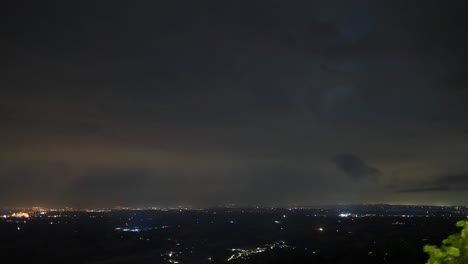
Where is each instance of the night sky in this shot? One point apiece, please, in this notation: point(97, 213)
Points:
point(204, 103)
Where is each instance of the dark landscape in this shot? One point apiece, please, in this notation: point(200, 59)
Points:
point(333, 234)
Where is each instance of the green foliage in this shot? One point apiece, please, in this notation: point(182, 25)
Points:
point(454, 249)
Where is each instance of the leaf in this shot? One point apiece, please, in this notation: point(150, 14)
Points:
point(454, 249)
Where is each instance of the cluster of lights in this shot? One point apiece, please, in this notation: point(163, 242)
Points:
point(20, 215)
point(135, 230)
point(244, 253)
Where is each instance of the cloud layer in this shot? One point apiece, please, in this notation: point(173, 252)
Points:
point(249, 102)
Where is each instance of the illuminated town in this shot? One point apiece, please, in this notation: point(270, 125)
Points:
point(245, 253)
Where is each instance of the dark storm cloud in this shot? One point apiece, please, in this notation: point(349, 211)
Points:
point(425, 189)
point(355, 167)
point(453, 182)
point(229, 64)
point(236, 99)
point(460, 189)
point(456, 180)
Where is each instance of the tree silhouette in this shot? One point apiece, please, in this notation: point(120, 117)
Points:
point(454, 249)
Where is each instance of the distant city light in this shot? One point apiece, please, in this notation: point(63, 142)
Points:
point(245, 253)
point(20, 215)
point(131, 230)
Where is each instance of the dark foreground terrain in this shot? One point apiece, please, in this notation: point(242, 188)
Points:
point(352, 234)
